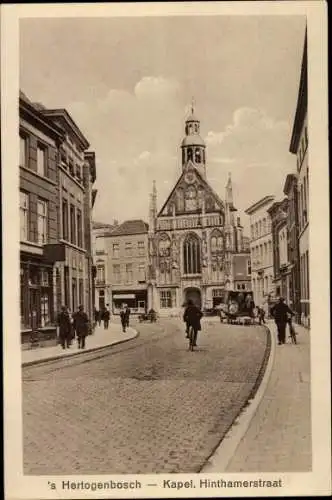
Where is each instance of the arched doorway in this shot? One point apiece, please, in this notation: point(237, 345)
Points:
point(193, 294)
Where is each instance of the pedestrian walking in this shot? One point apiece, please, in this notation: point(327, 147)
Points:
point(64, 328)
point(123, 317)
point(280, 312)
point(81, 324)
point(261, 315)
point(192, 318)
point(106, 318)
point(127, 316)
point(96, 316)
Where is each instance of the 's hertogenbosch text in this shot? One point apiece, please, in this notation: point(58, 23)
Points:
point(171, 484)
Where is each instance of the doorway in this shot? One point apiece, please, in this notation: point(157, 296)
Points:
point(193, 294)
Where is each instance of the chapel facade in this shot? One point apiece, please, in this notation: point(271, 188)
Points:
point(194, 237)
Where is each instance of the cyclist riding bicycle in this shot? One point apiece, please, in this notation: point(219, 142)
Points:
point(192, 318)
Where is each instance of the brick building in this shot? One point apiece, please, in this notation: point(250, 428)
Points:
point(76, 174)
point(39, 139)
point(56, 200)
point(299, 147)
point(121, 261)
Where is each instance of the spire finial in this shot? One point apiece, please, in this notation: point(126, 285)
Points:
point(192, 105)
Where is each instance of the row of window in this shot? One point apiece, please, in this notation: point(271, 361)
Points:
point(261, 255)
point(303, 199)
point(42, 156)
point(130, 249)
point(260, 228)
point(72, 224)
point(25, 220)
point(68, 162)
point(122, 274)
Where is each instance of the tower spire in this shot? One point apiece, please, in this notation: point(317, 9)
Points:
point(192, 105)
point(153, 208)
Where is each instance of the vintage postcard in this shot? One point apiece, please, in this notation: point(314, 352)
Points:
point(165, 228)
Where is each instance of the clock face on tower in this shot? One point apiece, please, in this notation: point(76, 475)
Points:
point(189, 177)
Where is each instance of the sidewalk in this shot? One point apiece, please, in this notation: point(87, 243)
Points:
point(99, 339)
point(278, 438)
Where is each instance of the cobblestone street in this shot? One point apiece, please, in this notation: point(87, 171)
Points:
point(150, 406)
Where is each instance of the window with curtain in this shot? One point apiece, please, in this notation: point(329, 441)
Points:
point(72, 225)
point(192, 255)
point(41, 160)
point(24, 216)
point(41, 222)
point(23, 151)
point(79, 228)
point(65, 226)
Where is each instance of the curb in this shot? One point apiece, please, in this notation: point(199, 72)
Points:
point(77, 353)
point(221, 457)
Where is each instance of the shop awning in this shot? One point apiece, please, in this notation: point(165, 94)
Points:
point(124, 296)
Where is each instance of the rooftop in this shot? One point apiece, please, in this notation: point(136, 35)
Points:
point(129, 227)
point(259, 204)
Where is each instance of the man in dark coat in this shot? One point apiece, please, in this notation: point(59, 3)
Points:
point(127, 316)
point(280, 312)
point(64, 328)
point(81, 325)
point(106, 318)
point(192, 318)
point(123, 317)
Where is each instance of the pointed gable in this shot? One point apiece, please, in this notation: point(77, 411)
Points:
point(188, 193)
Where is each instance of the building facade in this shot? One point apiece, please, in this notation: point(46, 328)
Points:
point(262, 273)
point(291, 191)
point(56, 200)
point(194, 237)
point(281, 264)
point(40, 140)
point(75, 176)
point(121, 261)
point(299, 147)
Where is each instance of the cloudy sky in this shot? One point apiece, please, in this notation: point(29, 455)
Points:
point(128, 82)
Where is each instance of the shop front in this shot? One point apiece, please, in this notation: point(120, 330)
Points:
point(136, 301)
point(36, 298)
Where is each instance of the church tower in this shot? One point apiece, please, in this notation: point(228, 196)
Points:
point(193, 146)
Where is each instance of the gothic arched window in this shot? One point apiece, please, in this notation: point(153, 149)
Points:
point(197, 155)
point(192, 255)
point(217, 242)
point(191, 198)
point(190, 154)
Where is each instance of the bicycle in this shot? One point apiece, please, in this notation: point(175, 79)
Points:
point(292, 332)
point(191, 335)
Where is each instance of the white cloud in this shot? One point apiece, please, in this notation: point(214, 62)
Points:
point(254, 148)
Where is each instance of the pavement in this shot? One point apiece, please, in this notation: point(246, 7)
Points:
point(274, 434)
point(100, 339)
point(147, 406)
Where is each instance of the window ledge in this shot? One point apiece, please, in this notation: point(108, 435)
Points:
point(72, 245)
point(47, 179)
